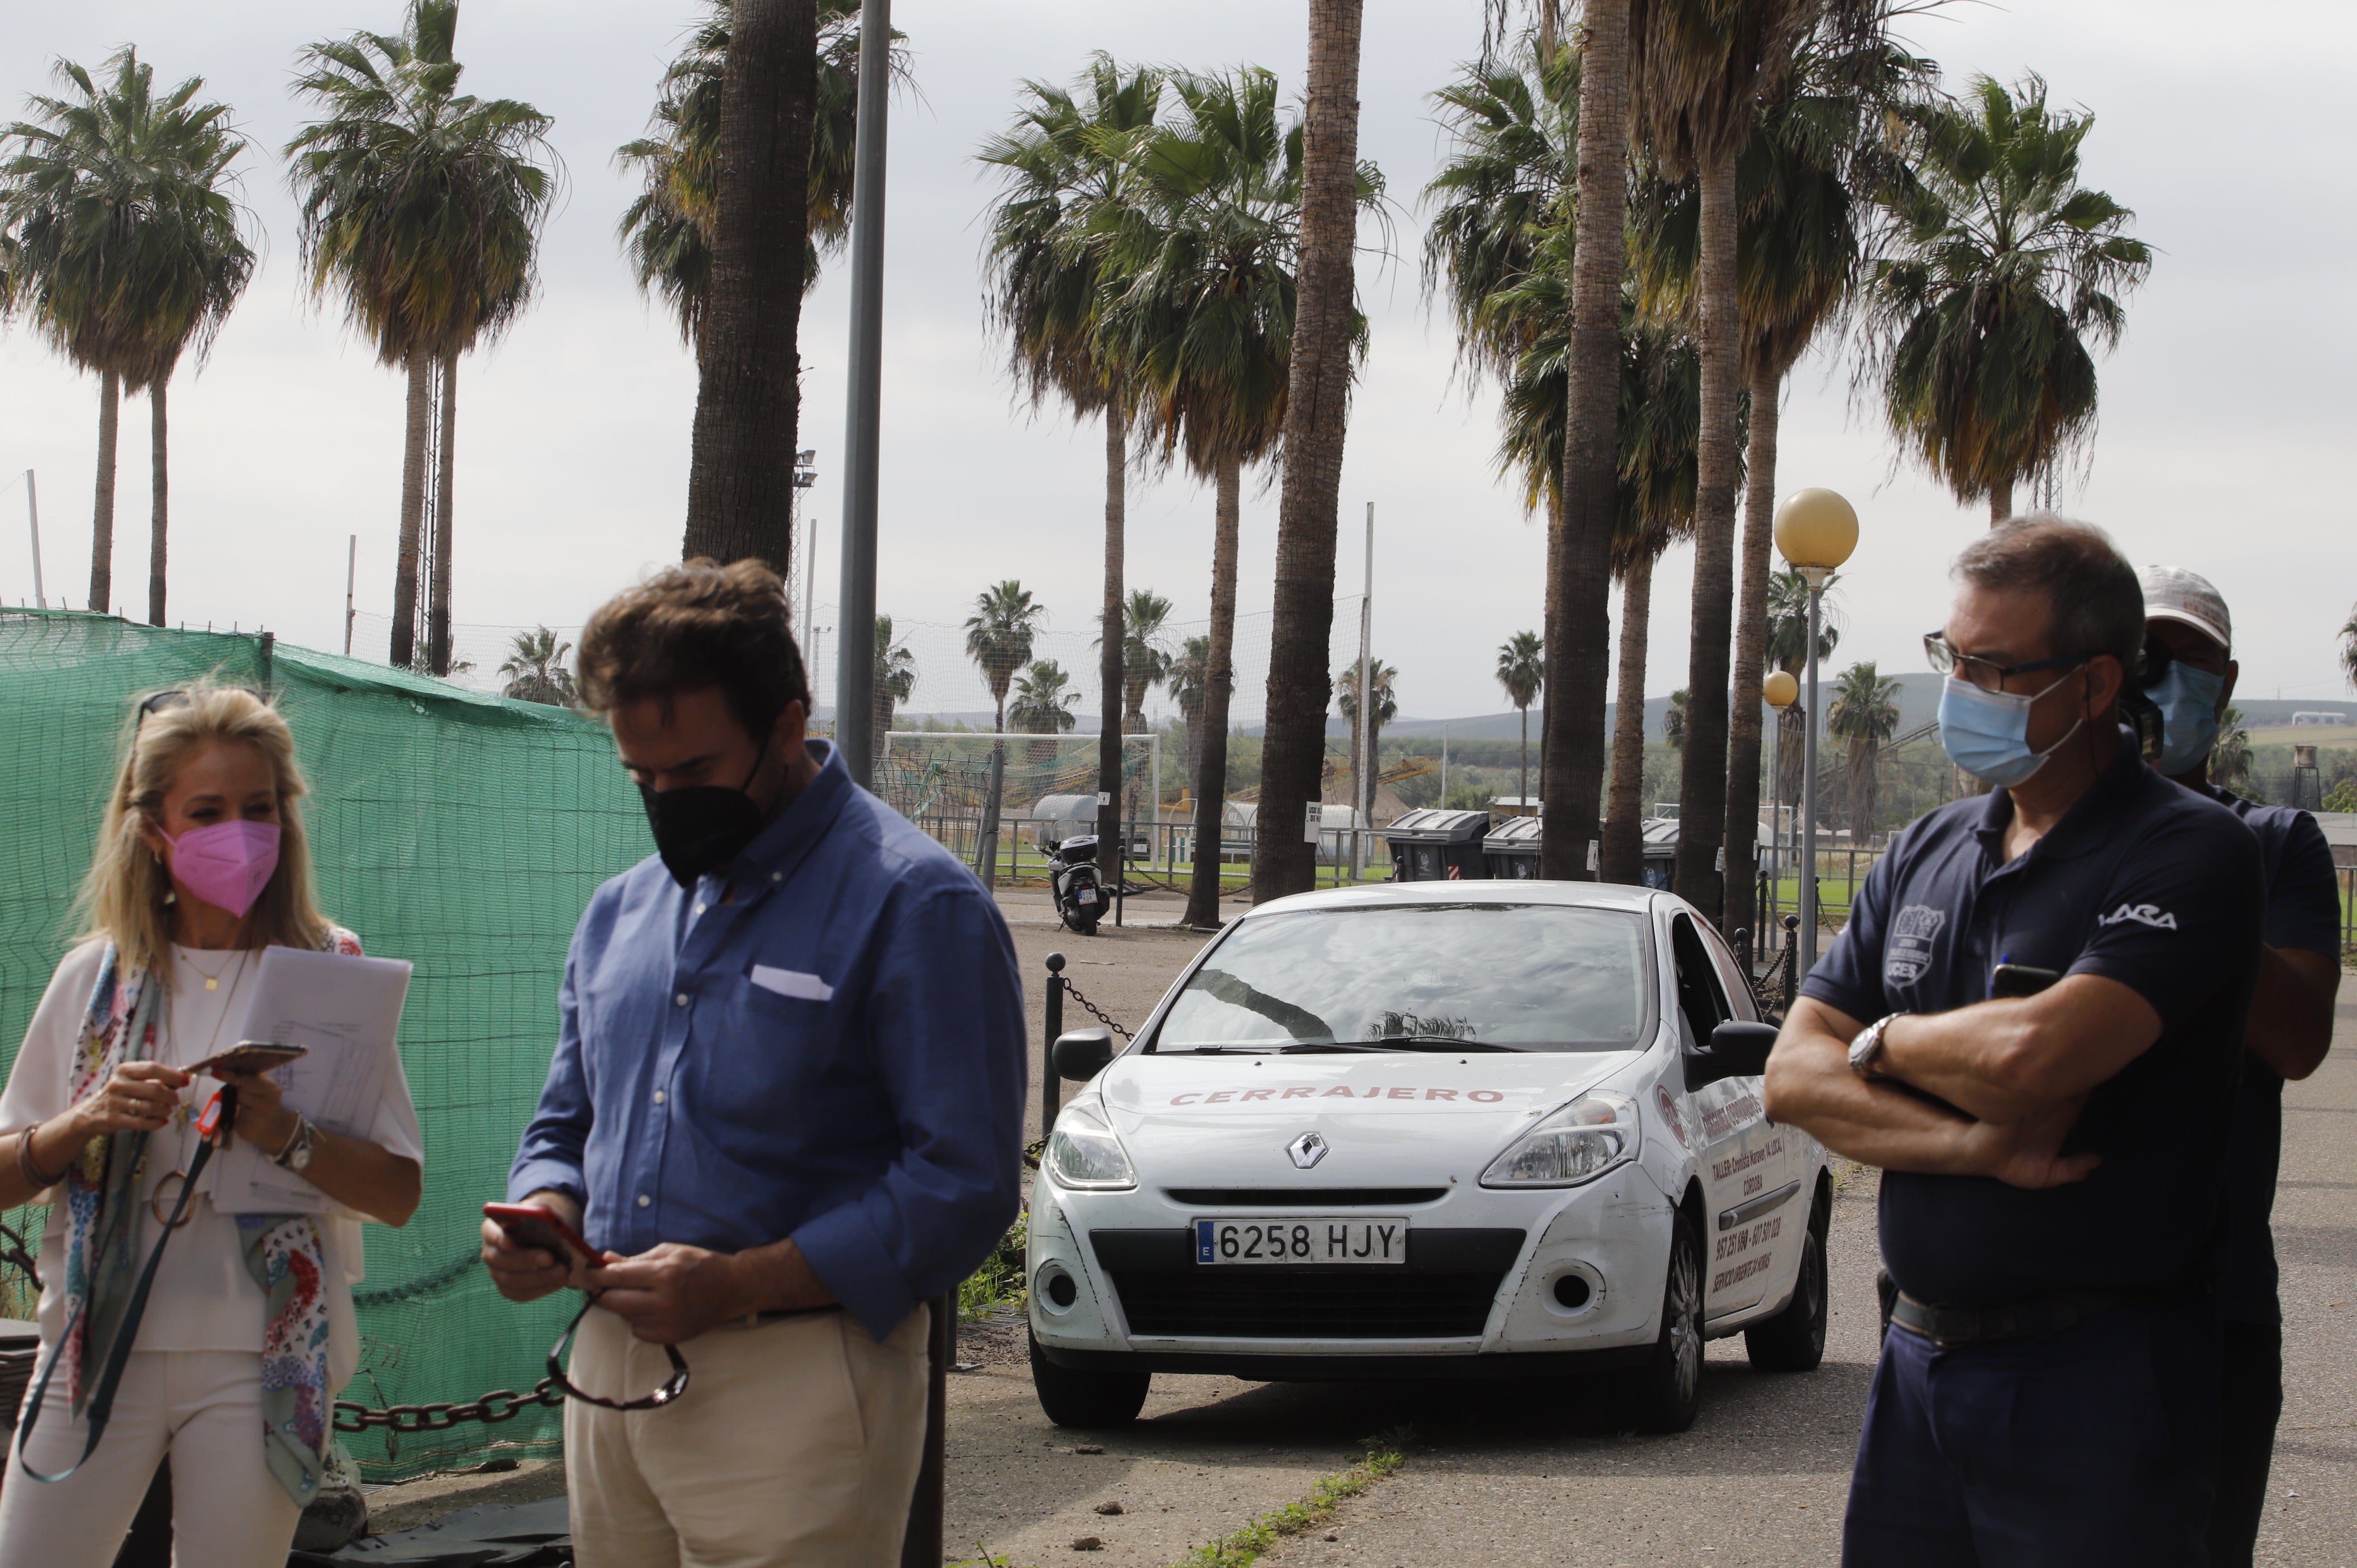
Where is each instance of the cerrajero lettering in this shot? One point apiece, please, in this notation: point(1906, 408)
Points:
point(1420, 1093)
point(1772, 1149)
point(1735, 1113)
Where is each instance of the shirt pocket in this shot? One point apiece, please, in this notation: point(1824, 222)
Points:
point(765, 1063)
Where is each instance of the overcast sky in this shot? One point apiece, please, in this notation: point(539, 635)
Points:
point(2221, 413)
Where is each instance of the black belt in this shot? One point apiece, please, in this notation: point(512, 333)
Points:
point(1949, 1327)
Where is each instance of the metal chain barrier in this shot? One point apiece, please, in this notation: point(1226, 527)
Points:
point(1096, 1012)
point(14, 1251)
point(500, 1404)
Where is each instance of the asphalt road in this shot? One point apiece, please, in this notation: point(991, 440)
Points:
point(1530, 1474)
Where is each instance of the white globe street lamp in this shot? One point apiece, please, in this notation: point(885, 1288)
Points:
point(1815, 532)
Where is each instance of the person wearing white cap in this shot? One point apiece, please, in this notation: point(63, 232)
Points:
point(2188, 672)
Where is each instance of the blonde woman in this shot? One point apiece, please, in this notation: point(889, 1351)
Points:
point(201, 863)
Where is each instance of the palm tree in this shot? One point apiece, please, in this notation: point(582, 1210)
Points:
point(998, 636)
point(1865, 712)
point(1673, 722)
point(1203, 315)
point(422, 211)
point(1042, 705)
point(1522, 669)
point(535, 670)
point(1325, 351)
point(748, 390)
point(1066, 174)
point(2230, 754)
point(667, 230)
point(126, 249)
point(896, 679)
point(1787, 648)
point(2349, 647)
point(1190, 678)
point(1380, 677)
point(1144, 662)
point(1999, 271)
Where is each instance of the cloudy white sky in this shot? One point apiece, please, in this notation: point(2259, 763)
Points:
point(2224, 414)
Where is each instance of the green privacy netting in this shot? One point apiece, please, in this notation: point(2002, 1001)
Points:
point(459, 831)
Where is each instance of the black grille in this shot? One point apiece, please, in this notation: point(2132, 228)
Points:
point(1310, 1197)
point(1443, 1291)
point(1284, 1304)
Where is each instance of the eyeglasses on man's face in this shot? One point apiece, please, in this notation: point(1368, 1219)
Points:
point(1986, 674)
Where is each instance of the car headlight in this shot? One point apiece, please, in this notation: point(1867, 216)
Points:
point(1084, 1153)
point(1571, 1145)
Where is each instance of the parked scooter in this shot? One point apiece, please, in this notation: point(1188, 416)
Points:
point(1078, 884)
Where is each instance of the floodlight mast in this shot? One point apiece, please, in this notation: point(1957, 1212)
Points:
point(855, 638)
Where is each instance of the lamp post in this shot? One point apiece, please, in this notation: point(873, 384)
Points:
point(1816, 532)
point(1779, 690)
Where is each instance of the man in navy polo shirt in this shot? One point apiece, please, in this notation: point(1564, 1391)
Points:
point(2190, 672)
point(2032, 1024)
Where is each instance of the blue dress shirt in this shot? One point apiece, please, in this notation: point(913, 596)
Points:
point(836, 1055)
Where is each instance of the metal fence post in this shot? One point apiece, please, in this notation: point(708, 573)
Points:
point(1049, 1098)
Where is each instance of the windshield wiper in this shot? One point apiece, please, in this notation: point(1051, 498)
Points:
point(1435, 1043)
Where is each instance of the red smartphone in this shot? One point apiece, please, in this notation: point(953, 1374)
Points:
point(535, 1226)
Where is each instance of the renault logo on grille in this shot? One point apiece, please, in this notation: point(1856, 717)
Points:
point(1306, 1150)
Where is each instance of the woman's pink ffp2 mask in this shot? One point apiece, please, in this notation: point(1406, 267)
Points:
point(227, 864)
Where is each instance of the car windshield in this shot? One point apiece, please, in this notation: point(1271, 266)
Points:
point(1527, 977)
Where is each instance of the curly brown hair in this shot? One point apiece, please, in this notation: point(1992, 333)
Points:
point(692, 625)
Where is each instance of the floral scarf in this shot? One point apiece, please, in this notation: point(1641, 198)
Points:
point(282, 1251)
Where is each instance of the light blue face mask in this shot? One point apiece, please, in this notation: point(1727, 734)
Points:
point(2187, 701)
point(1986, 733)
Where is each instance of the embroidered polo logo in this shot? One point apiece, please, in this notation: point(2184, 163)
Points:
point(2152, 915)
point(1908, 951)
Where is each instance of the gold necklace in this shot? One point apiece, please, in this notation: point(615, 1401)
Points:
point(183, 1111)
point(213, 981)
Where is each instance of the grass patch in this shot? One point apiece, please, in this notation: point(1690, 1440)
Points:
point(1244, 1546)
point(998, 1283)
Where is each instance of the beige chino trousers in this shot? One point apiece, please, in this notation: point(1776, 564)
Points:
point(796, 1444)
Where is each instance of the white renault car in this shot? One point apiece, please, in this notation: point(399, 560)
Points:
point(1434, 1128)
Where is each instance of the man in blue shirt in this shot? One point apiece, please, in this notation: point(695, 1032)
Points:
point(785, 1107)
point(2190, 672)
point(2033, 1023)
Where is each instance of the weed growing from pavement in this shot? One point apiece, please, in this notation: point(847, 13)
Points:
point(1243, 1548)
point(998, 1286)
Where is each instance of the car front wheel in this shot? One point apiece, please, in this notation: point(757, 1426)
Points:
point(1665, 1393)
point(1087, 1397)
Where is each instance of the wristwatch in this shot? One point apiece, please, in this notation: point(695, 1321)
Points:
point(1867, 1049)
point(297, 1155)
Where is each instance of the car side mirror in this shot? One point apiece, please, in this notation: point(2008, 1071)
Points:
point(1737, 1048)
point(1082, 1053)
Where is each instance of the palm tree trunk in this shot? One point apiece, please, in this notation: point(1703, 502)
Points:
point(1526, 770)
point(748, 397)
point(403, 653)
point(159, 485)
point(1623, 856)
point(2000, 503)
point(1579, 538)
point(1293, 755)
point(1211, 757)
point(1111, 712)
point(438, 611)
point(1742, 838)
point(101, 515)
point(1702, 782)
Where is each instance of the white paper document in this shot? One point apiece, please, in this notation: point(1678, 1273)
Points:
point(346, 1013)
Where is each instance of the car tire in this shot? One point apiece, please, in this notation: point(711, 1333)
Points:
point(1665, 1393)
point(1795, 1339)
point(1085, 1397)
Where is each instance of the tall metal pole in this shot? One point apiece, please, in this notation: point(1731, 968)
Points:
point(33, 513)
point(1365, 765)
point(1808, 856)
point(855, 636)
point(351, 579)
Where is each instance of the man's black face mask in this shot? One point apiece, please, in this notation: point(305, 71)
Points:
point(702, 828)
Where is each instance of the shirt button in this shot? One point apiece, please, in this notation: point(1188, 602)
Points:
point(680, 1000)
point(777, 877)
point(644, 1200)
point(659, 1096)
point(699, 908)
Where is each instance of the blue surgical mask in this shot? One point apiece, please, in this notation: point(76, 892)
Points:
point(1986, 733)
point(2187, 701)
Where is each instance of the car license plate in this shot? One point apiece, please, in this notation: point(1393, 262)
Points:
point(1361, 1238)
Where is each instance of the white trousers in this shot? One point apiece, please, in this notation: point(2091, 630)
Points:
point(204, 1408)
point(796, 1445)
